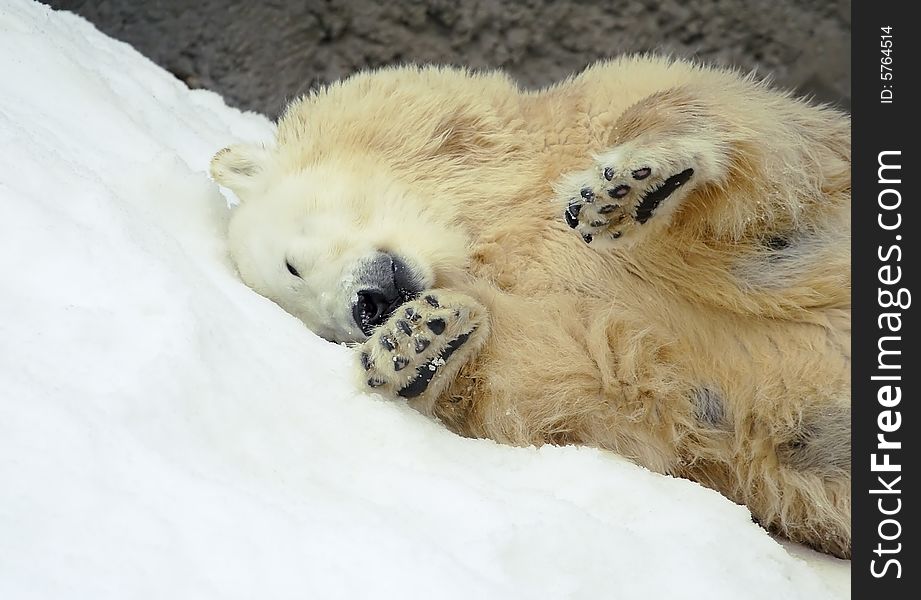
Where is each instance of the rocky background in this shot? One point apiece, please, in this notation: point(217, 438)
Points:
point(259, 54)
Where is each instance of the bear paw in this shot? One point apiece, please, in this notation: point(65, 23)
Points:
point(626, 190)
point(421, 347)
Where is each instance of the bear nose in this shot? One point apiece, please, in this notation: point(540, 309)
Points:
point(386, 283)
point(371, 309)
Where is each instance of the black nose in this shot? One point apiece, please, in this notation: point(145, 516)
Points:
point(386, 283)
point(372, 309)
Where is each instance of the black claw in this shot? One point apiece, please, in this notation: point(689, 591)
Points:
point(404, 327)
point(619, 192)
point(365, 360)
point(608, 208)
point(411, 314)
point(387, 343)
point(641, 173)
point(399, 363)
point(375, 382)
point(608, 173)
point(433, 301)
point(422, 344)
point(588, 194)
point(587, 238)
point(437, 326)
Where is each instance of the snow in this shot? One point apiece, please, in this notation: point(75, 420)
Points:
point(167, 433)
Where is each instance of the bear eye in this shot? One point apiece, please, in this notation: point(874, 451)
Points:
point(291, 269)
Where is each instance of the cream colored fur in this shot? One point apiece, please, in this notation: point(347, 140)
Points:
point(711, 342)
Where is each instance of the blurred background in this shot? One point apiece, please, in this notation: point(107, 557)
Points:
point(260, 54)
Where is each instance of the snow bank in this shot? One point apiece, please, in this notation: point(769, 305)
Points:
point(167, 433)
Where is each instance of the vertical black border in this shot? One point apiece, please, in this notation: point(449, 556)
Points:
point(879, 127)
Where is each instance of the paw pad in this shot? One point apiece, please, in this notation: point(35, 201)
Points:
point(412, 347)
point(572, 213)
point(619, 192)
point(437, 326)
point(639, 191)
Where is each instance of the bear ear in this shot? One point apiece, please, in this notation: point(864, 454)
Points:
point(242, 168)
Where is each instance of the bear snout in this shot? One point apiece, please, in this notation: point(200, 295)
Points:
point(384, 283)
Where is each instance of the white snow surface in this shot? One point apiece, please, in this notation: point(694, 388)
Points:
point(167, 433)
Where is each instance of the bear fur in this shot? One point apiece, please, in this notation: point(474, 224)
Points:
point(652, 257)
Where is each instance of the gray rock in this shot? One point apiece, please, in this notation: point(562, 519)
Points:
point(261, 54)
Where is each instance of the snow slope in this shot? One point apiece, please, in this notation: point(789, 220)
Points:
point(167, 433)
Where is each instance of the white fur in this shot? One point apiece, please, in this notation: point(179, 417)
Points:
point(325, 224)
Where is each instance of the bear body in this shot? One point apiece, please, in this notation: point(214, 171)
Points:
point(651, 257)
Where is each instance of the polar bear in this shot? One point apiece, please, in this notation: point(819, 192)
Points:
point(651, 257)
